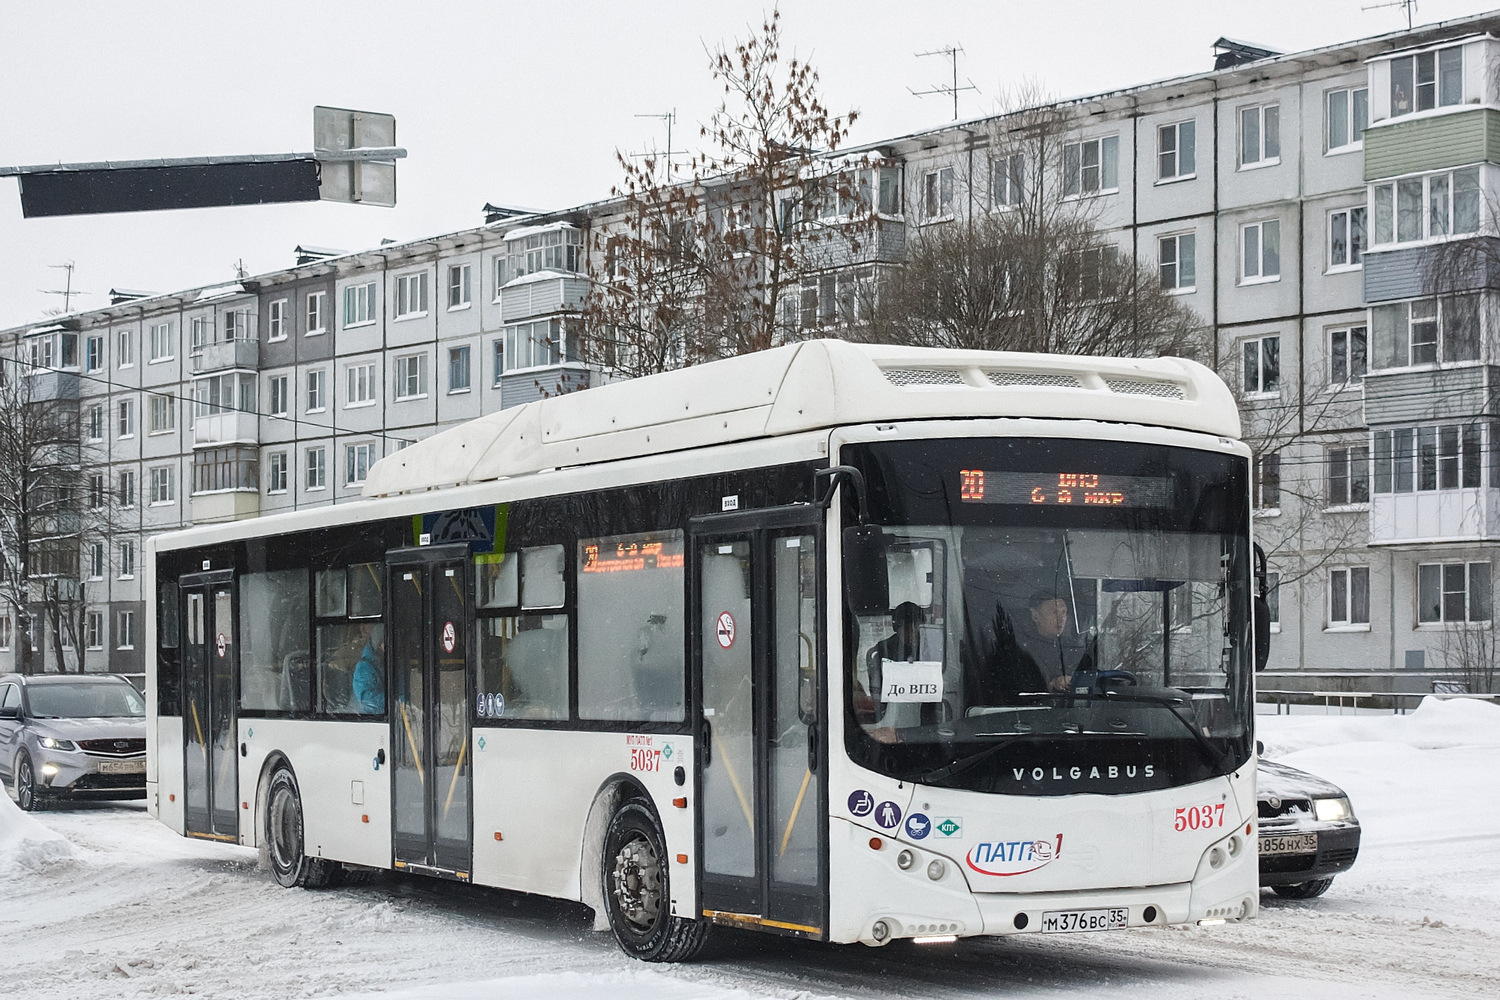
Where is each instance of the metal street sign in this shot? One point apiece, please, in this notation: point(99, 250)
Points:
point(365, 178)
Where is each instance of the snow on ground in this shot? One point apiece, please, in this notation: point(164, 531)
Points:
point(132, 911)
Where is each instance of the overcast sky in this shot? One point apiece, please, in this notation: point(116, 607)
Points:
point(516, 103)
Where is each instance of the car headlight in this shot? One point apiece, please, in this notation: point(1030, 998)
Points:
point(52, 743)
point(1332, 810)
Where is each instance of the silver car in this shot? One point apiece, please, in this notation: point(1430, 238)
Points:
point(71, 736)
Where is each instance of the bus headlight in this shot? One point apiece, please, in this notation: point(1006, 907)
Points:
point(936, 870)
point(1333, 810)
point(905, 860)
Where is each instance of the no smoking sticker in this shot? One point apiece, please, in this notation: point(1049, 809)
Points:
point(724, 630)
point(450, 637)
point(222, 643)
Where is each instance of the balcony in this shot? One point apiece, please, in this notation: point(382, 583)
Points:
point(1462, 515)
point(50, 385)
point(881, 241)
point(230, 427)
point(225, 354)
point(1431, 142)
point(542, 293)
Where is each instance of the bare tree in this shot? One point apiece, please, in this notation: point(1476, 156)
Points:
point(1472, 654)
point(702, 266)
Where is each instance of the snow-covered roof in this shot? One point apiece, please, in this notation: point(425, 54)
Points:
point(801, 387)
point(522, 232)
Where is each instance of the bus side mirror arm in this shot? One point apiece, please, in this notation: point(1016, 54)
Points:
point(836, 475)
point(1262, 611)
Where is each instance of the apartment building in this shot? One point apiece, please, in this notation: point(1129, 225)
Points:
point(1296, 203)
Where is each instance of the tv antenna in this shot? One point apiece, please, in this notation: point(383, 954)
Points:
point(669, 118)
point(1410, 6)
point(67, 291)
point(953, 89)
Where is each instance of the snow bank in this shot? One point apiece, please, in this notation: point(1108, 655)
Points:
point(643, 984)
point(25, 844)
point(1436, 724)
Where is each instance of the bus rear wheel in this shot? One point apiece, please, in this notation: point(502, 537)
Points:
point(637, 890)
point(291, 867)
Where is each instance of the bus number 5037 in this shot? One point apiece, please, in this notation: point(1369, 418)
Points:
point(645, 759)
point(1198, 817)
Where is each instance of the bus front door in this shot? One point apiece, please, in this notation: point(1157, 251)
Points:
point(761, 779)
point(429, 644)
point(210, 788)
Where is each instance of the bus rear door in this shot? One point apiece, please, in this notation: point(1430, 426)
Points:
point(429, 647)
point(210, 789)
point(762, 836)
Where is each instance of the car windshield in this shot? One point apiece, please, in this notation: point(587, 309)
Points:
point(1061, 616)
point(85, 700)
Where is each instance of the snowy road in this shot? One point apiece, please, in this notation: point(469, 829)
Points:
point(134, 911)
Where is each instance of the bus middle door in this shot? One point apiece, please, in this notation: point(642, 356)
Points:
point(210, 788)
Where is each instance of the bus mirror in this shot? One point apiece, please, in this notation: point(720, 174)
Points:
point(1262, 632)
point(867, 584)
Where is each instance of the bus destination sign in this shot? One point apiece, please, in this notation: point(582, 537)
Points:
point(1083, 489)
point(633, 553)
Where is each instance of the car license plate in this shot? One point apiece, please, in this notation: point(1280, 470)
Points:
point(1068, 921)
point(122, 767)
point(1296, 843)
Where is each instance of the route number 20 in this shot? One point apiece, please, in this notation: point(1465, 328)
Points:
point(1198, 817)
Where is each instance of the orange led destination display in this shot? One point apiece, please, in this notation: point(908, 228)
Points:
point(1053, 489)
point(634, 554)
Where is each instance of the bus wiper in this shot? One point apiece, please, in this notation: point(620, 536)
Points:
point(964, 763)
point(1171, 703)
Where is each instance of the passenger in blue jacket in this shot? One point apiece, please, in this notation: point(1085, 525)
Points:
point(369, 675)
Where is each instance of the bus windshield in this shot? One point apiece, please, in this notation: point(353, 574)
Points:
point(1061, 616)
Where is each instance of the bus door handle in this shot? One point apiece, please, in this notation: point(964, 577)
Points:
point(812, 747)
point(705, 745)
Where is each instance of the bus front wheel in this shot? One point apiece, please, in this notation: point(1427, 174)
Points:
point(289, 864)
point(637, 896)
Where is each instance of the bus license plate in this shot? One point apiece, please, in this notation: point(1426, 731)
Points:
point(1069, 921)
point(1297, 843)
point(122, 766)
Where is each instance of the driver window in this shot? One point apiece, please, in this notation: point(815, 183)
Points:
point(901, 673)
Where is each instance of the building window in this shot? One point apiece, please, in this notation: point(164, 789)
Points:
point(276, 320)
point(1175, 154)
point(1424, 331)
point(127, 560)
point(198, 338)
point(1418, 208)
point(1262, 365)
point(359, 385)
point(315, 401)
point(1347, 112)
point(458, 369)
point(1443, 457)
point(125, 630)
point(1346, 356)
point(411, 376)
point(559, 249)
point(529, 345)
point(1266, 487)
point(1260, 251)
point(276, 472)
point(316, 321)
point(6, 632)
point(96, 560)
point(1091, 167)
point(1346, 238)
point(96, 490)
point(40, 354)
point(161, 341)
point(277, 390)
point(1007, 180)
point(499, 275)
point(1348, 475)
point(126, 495)
point(162, 491)
point(411, 295)
point(217, 469)
point(938, 193)
point(1349, 597)
point(458, 285)
point(498, 359)
point(1260, 135)
point(1427, 80)
point(125, 355)
point(1178, 258)
point(96, 422)
point(93, 630)
point(237, 325)
point(1453, 592)
point(163, 414)
point(359, 304)
point(357, 461)
point(93, 354)
point(317, 468)
point(127, 418)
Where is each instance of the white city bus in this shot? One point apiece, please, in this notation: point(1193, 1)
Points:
point(843, 642)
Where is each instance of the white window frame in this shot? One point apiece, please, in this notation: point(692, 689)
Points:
point(124, 349)
point(499, 275)
point(1353, 379)
point(276, 320)
point(1353, 457)
point(161, 405)
point(1414, 101)
point(939, 194)
point(497, 360)
point(1177, 174)
point(468, 358)
point(93, 353)
point(1385, 204)
point(1255, 388)
point(161, 343)
point(1265, 157)
point(126, 489)
point(278, 395)
point(1104, 146)
point(1443, 621)
point(201, 333)
point(316, 469)
point(95, 429)
point(410, 376)
point(97, 562)
point(1258, 490)
point(1355, 140)
point(93, 630)
point(125, 629)
point(315, 311)
point(360, 299)
point(359, 385)
point(127, 561)
point(460, 287)
point(1260, 277)
point(411, 295)
point(316, 394)
point(125, 419)
point(1349, 622)
point(163, 493)
point(277, 473)
point(1175, 263)
point(1355, 219)
point(357, 460)
point(1007, 181)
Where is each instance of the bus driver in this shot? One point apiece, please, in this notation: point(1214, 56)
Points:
point(1030, 656)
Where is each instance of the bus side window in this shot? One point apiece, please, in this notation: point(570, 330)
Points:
point(169, 656)
point(275, 669)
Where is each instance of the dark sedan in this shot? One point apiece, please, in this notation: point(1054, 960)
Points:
point(72, 736)
point(1308, 833)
